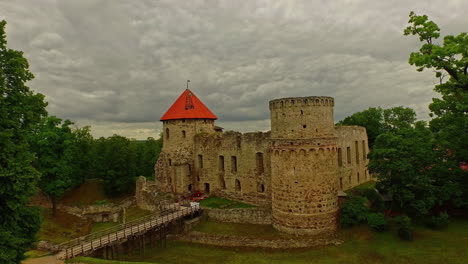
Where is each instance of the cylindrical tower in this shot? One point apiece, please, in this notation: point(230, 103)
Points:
point(304, 165)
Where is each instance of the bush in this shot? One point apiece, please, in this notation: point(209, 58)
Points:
point(377, 221)
point(353, 211)
point(101, 202)
point(374, 197)
point(438, 222)
point(405, 230)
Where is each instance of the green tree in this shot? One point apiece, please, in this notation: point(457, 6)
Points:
point(377, 120)
point(20, 110)
point(449, 61)
point(83, 160)
point(55, 146)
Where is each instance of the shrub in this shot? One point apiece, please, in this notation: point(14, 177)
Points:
point(374, 197)
point(101, 202)
point(405, 230)
point(377, 221)
point(353, 211)
point(438, 222)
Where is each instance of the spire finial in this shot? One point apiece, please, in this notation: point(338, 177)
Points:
point(187, 83)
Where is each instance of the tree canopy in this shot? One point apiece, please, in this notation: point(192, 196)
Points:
point(20, 110)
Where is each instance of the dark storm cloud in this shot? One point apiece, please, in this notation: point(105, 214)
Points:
point(118, 65)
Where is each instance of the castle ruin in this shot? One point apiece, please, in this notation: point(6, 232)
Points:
point(297, 170)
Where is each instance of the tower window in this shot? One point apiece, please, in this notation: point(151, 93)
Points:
point(167, 133)
point(260, 188)
point(170, 162)
point(364, 154)
point(259, 159)
point(183, 133)
point(221, 163)
point(304, 126)
point(200, 161)
point(340, 158)
point(233, 164)
point(341, 183)
point(238, 186)
point(357, 151)
point(348, 154)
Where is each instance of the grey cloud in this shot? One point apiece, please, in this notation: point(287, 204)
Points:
point(118, 65)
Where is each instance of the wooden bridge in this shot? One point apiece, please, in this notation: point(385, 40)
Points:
point(95, 241)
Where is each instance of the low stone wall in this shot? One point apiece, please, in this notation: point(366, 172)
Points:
point(253, 242)
point(258, 216)
point(98, 213)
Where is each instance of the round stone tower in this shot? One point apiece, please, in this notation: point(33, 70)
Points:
point(304, 165)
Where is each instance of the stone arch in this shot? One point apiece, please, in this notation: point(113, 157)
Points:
point(302, 152)
point(238, 186)
point(317, 102)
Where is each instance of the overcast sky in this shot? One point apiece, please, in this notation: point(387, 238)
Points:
point(119, 65)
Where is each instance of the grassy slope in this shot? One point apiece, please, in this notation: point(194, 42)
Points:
point(62, 227)
point(218, 202)
point(88, 193)
point(361, 246)
point(132, 213)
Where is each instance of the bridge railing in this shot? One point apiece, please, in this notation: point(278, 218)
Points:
point(148, 221)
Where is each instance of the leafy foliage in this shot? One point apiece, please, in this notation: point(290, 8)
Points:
point(376, 221)
point(440, 221)
point(377, 120)
point(405, 229)
point(20, 110)
point(353, 211)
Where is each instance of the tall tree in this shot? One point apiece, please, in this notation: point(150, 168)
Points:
point(20, 110)
point(56, 148)
point(378, 121)
point(449, 61)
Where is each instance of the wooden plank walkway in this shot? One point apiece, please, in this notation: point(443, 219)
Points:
point(93, 242)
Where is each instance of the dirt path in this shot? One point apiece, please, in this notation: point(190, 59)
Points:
point(43, 260)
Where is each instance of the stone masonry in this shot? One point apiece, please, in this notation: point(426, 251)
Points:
point(296, 170)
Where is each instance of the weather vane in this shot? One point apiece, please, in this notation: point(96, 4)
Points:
point(187, 83)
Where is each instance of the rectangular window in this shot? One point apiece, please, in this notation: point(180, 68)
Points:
point(348, 154)
point(233, 164)
point(356, 145)
point(364, 154)
point(259, 158)
point(340, 158)
point(200, 161)
point(221, 163)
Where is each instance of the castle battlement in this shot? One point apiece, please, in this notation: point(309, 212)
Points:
point(296, 170)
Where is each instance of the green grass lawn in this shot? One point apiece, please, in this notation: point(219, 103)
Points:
point(36, 253)
point(361, 246)
point(248, 230)
point(218, 202)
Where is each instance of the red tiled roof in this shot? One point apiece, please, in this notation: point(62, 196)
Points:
point(188, 106)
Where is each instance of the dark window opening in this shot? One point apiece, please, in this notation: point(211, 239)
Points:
point(167, 133)
point(260, 188)
point(238, 186)
point(233, 164)
point(348, 154)
point(260, 166)
point(364, 154)
point(207, 188)
point(304, 126)
point(223, 184)
point(190, 187)
point(221, 163)
point(340, 157)
point(200, 161)
point(183, 133)
point(349, 179)
point(170, 162)
point(358, 180)
point(302, 112)
point(341, 183)
point(357, 151)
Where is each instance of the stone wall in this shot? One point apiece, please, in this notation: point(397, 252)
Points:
point(240, 241)
point(352, 156)
point(98, 213)
point(233, 164)
point(258, 216)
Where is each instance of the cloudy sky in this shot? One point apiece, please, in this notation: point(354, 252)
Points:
point(118, 65)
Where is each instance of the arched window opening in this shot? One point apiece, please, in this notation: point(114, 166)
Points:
point(190, 187)
point(238, 186)
point(260, 188)
point(340, 158)
point(207, 188)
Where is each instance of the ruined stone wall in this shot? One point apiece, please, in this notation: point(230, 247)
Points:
point(234, 165)
point(304, 166)
point(352, 156)
point(259, 216)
